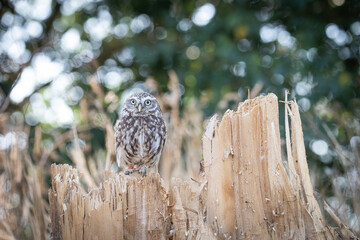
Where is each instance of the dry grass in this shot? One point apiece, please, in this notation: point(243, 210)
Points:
point(23, 195)
point(345, 180)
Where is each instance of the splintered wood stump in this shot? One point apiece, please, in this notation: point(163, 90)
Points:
point(246, 190)
point(125, 207)
point(250, 193)
point(121, 208)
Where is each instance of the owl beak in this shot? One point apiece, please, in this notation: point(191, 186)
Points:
point(139, 107)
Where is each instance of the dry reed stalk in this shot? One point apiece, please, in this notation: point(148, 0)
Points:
point(79, 159)
point(193, 122)
point(170, 163)
point(344, 229)
point(22, 204)
point(183, 143)
point(348, 196)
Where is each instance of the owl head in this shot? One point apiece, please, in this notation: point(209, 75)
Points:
point(142, 104)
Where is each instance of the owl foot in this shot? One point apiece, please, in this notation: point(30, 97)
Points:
point(143, 171)
point(130, 171)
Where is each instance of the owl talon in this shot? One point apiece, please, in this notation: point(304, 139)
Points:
point(143, 172)
point(128, 172)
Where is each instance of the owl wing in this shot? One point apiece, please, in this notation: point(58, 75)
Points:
point(159, 142)
point(118, 141)
point(164, 133)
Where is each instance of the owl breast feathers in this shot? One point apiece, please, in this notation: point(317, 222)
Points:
point(140, 132)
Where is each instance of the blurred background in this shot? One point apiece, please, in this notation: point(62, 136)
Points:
point(67, 65)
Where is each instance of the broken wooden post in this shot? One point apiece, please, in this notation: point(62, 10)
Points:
point(121, 208)
point(249, 193)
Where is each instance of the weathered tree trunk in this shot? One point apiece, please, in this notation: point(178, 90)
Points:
point(250, 194)
point(245, 191)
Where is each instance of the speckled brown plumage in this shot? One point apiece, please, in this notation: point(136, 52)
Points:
point(140, 132)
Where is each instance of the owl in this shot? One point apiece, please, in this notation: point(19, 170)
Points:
point(140, 134)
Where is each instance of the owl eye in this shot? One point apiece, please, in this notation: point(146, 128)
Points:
point(132, 101)
point(147, 102)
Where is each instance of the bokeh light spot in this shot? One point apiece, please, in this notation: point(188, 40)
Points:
point(338, 3)
point(121, 30)
point(355, 28)
point(126, 56)
point(70, 40)
point(303, 88)
point(99, 27)
point(320, 147)
point(140, 23)
point(25, 86)
point(34, 29)
point(339, 36)
point(244, 45)
point(277, 79)
point(7, 19)
point(193, 52)
point(304, 104)
point(37, 9)
point(184, 25)
point(268, 33)
point(203, 15)
point(239, 69)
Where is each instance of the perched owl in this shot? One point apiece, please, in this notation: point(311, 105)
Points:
point(140, 134)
